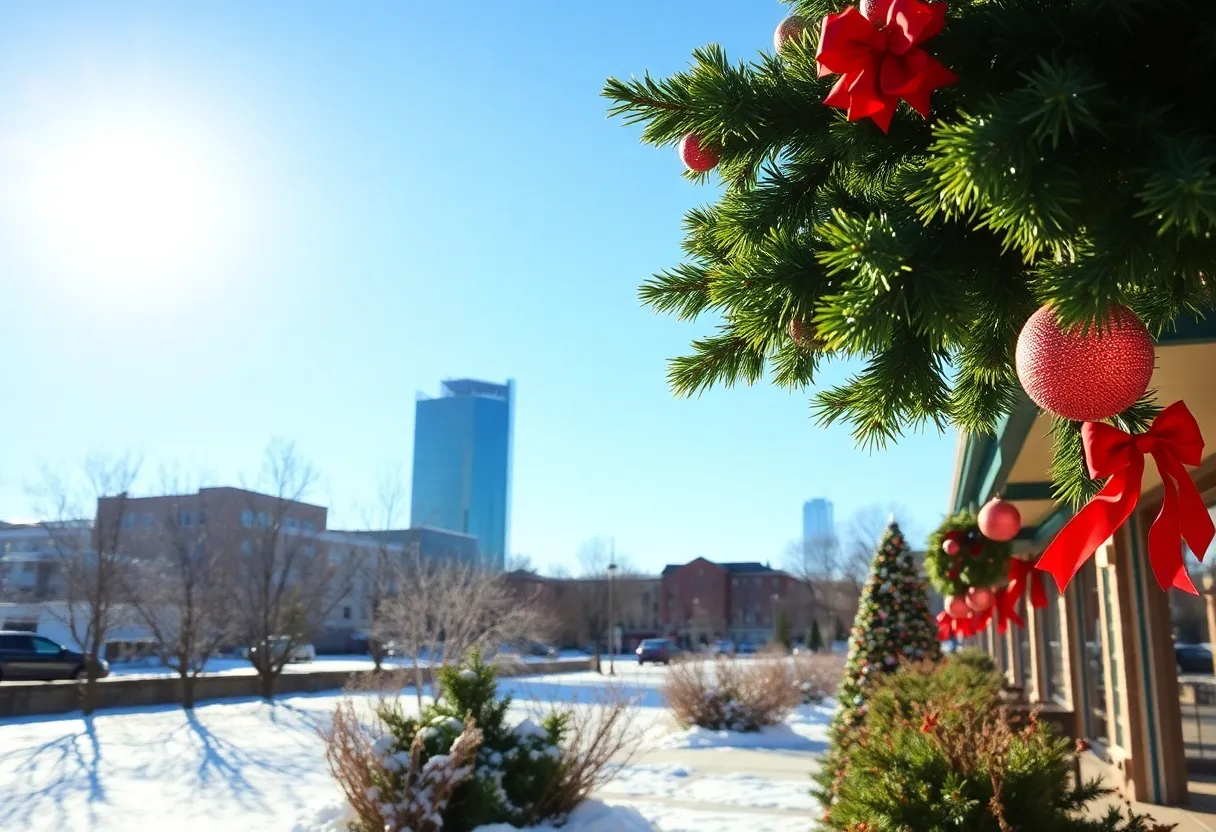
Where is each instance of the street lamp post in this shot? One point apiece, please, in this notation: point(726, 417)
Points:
point(611, 620)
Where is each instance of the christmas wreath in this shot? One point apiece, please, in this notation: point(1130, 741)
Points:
point(960, 558)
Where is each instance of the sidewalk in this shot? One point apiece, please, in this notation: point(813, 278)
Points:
point(1200, 816)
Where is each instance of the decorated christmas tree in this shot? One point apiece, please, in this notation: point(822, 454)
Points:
point(967, 201)
point(892, 623)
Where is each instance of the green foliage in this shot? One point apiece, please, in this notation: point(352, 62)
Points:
point(814, 639)
point(518, 768)
point(975, 658)
point(783, 633)
point(1055, 171)
point(936, 752)
point(981, 562)
point(892, 624)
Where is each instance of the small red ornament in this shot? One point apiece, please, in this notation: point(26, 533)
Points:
point(1000, 520)
point(979, 598)
point(952, 547)
point(697, 154)
point(789, 29)
point(1085, 377)
point(957, 607)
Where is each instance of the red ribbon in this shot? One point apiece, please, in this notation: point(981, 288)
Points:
point(1173, 440)
point(881, 61)
point(948, 625)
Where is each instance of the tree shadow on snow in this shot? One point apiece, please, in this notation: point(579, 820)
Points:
point(73, 762)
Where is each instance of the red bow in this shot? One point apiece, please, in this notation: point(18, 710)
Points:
point(1021, 574)
point(881, 60)
point(948, 625)
point(1173, 440)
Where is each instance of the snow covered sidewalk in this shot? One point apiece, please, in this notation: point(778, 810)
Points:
point(257, 765)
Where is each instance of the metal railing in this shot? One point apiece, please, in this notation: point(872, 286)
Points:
point(1197, 701)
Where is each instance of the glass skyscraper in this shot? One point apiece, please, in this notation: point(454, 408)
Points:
point(462, 463)
point(817, 521)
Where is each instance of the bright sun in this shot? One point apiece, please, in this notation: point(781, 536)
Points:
point(125, 203)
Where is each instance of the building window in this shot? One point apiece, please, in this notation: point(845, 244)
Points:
point(246, 547)
point(1053, 641)
point(202, 517)
point(247, 519)
point(264, 519)
point(187, 518)
point(774, 583)
point(309, 526)
point(346, 613)
point(292, 523)
point(149, 521)
point(128, 521)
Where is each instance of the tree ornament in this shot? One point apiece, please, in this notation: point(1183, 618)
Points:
point(952, 547)
point(1085, 376)
point(981, 562)
point(1000, 520)
point(792, 28)
point(881, 61)
point(979, 598)
point(957, 607)
point(697, 154)
point(1174, 441)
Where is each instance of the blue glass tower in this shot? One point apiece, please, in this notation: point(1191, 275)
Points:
point(817, 520)
point(462, 463)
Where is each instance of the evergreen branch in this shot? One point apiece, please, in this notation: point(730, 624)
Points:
point(724, 359)
point(1182, 193)
point(682, 292)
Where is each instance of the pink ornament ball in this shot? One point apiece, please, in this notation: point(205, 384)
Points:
point(789, 29)
point(952, 547)
point(979, 598)
point(957, 607)
point(1000, 520)
point(1085, 377)
point(697, 154)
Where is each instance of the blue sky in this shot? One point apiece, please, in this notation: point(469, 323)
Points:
point(393, 193)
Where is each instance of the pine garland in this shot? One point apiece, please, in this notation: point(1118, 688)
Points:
point(1072, 164)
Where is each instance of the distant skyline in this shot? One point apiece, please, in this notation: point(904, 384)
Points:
point(228, 223)
point(817, 520)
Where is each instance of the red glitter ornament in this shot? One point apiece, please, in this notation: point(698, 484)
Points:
point(952, 547)
point(957, 607)
point(1085, 377)
point(789, 29)
point(697, 154)
point(979, 598)
point(1000, 520)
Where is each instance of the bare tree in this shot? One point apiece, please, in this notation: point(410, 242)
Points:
point(865, 530)
point(93, 564)
point(181, 585)
point(594, 557)
point(381, 572)
point(816, 562)
point(519, 563)
point(448, 609)
point(284, 586)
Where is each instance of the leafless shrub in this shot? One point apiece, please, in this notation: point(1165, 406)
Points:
point(817, 675)
point(395, 798)
point(731, 695)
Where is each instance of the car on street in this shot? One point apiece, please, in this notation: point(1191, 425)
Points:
point(278, 644)
point(31, 657)
point(656, 651)
point(1193, 658)
point(724, 647)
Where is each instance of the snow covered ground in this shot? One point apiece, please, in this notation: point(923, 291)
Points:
point(254, 765)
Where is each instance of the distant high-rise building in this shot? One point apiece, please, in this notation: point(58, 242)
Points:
point(817, 519)
point(462, 463)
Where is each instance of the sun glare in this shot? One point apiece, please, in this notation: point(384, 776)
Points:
point(126, 203)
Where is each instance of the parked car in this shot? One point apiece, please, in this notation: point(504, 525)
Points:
point(724, 647)
point(745, 649)
point(1193, 658)
point(27, 656)
point(656, 651)
point(278, 644)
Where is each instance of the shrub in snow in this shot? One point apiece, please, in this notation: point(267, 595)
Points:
point(817, 675)
point(732, 695)
point(462, 764)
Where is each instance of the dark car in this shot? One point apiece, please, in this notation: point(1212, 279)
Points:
point(31, 657)
point(656, 651)
point(1193, 658)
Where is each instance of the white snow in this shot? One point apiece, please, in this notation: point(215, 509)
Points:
point(256, 765)
point(590, 816)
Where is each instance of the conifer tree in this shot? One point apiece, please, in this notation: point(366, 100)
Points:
point(892, 623)
point(1065, 158)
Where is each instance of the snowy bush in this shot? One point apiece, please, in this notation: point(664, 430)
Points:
point(462, 764)
point(730, 695)
point(817, 675)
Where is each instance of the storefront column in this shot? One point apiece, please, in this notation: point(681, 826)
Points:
point(1072, 648)
point(1038, 654)
point(1156, 772)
